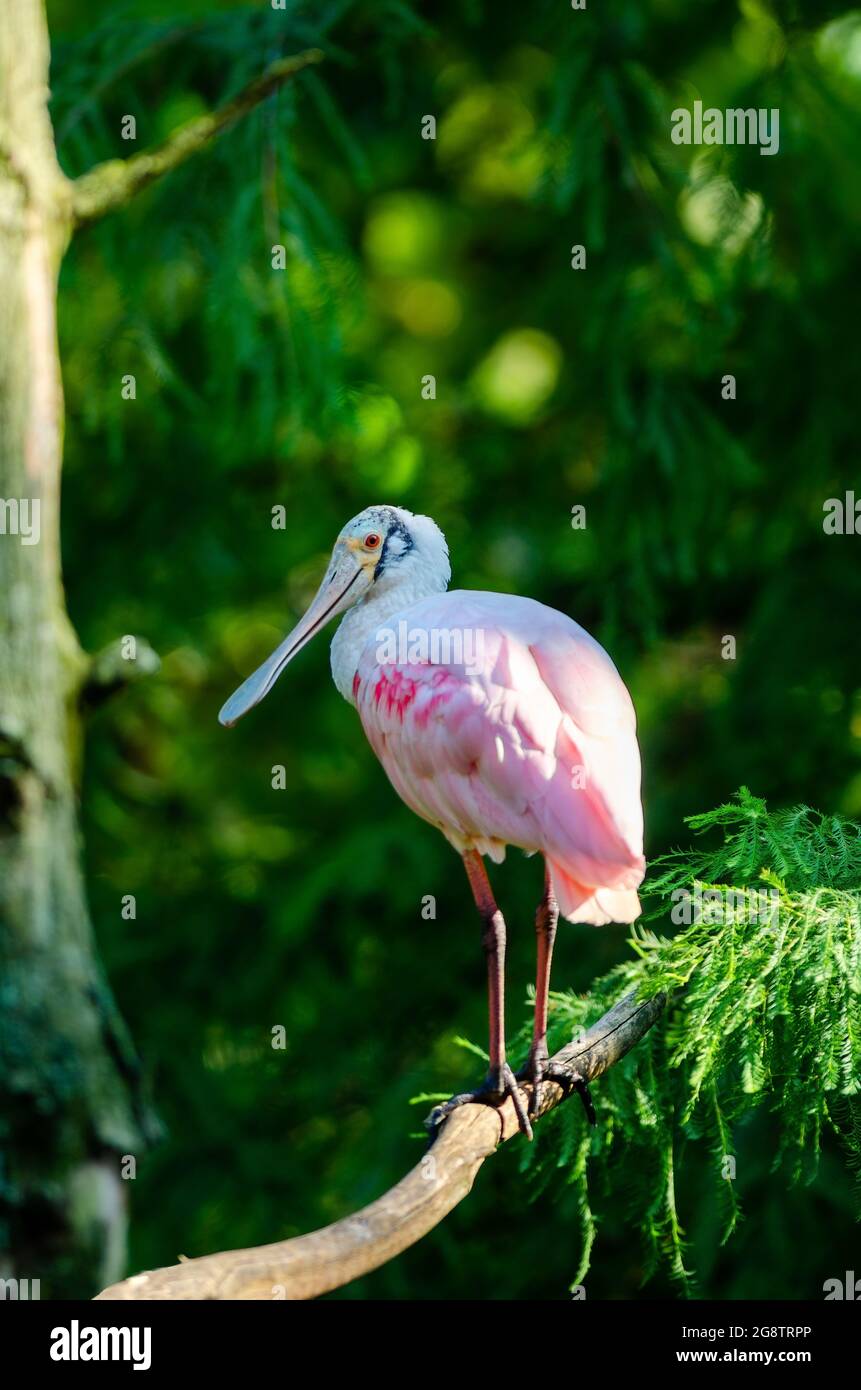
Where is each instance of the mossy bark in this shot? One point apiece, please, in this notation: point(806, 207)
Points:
point(67, 1086)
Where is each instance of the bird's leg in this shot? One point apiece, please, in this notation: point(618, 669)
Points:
point(546, 920)
point(537, 1068)
point(500, 1081)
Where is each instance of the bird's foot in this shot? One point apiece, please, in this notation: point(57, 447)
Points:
point(538, 1069)
point(499, 1084)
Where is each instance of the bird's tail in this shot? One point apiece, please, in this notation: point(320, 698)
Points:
point(580, 902)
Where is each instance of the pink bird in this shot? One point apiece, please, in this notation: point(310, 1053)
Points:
point(498, 720)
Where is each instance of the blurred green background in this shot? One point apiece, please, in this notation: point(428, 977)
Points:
point(554, 387)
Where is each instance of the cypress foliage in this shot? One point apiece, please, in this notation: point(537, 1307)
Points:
point(765, 1012)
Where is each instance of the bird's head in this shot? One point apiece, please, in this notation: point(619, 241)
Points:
point(380, 549)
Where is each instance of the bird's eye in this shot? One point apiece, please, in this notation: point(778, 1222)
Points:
point(372, 540)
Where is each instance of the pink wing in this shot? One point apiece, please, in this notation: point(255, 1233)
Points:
point(528, 740)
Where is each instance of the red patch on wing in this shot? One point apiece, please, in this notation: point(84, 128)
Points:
point(394, 691)
point(429, 709)
point(356, 684)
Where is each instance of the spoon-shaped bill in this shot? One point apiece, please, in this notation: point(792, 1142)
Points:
point(339, 589)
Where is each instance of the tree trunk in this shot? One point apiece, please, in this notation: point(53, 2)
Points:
point(67, 1084)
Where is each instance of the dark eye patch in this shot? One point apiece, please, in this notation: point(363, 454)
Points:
point(397, 528)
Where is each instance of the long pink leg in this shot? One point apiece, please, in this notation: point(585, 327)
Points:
point(500, 1080)
point(493, 943)
point(546, 920)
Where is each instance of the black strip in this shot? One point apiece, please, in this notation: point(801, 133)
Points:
point(397, 528)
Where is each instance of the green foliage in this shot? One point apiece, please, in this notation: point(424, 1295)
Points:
point(764, 1010)
point(801, 847)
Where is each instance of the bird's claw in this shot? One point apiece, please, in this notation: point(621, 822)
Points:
point(538, 1069)
point(582, 1088)
point(535, 1071)
point(499, 1084)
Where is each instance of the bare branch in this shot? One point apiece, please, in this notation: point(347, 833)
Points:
point(309, 1265)
point(113, 184)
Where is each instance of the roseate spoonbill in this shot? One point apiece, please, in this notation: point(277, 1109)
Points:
point(498, 720)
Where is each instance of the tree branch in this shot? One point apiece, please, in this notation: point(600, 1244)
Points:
point(314, 1264)
point(113, 184)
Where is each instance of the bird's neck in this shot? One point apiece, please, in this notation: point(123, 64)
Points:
point(376, 609)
